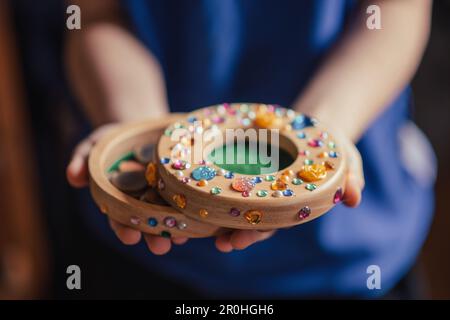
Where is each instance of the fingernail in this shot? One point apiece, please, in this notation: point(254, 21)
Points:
point(76, 164)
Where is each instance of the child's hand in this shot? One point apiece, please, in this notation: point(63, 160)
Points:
point(77, 175)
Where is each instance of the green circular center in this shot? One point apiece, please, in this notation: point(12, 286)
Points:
point(246, 158)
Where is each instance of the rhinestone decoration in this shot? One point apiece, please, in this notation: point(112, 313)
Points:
point(234, 212)
point(203, 173)
point(333, 154)
point(135, 220)
point(164, 160)
point(308, 161)
point(310, 187)
point(270, 178)
point(329, 165)
point(277, 194)
point(216, 190)
point(278, 185)
point(243, 184)
point(284, 178)
point(180, 200)
point(150, 174)
point(323, 155)
point(182, 225)
point(185, 179)
point(246, 194)
point(301, 135)
point(170, 222)
point(180, 165)
point(253, 216)
point(257, 180)
point(202, 183)
point(203, 213)
point(288, 193)
point(315, 143)
point(301, 121)
point(331, 145)
point(262, 193)
point(179, 174)
point(165, 234)
point(304, 213)
point(304, 153)
point(297, 181)
point(313, 172)
point(229, 175)
point(152, 222)
point(338, 196)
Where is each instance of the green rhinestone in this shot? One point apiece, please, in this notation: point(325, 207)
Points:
point(311, 187)
point(165, 234)
point(308, 161)
point(269, 178)
point(168, 132)
point(262, 193)
point(215, 190)
point(297, 181)
point(331, 145)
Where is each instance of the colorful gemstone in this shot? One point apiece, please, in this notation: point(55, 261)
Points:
point(185, 179)
point(170, 222)
point(203, 213)
point(304, 213)
point(180, 200)
point(266, 119)
point(152, 222)
point(270, 178)
point(234, 212)
point(150, 174)
point(243, 184)
point(191, 119)
point(329, 165)
point(315, 143)
point(284, 178)
point(253, 216)
point(278, 185)
point(180, 165)
point(324, 135)
point(308, 161)
point(333, 154)
point(203, 173)
point(331, 145)
point(288, 193)
point(246, 194)
point(135, 220)
point(229, 175)
point(338, 196)
point(262, 193)
point(165, 234)
point(257, 180)
point(301, 135)
point(221, 172)
point(313, 172)
point(277, 194)
point(168, 132)
point(289, 173)
point(301, 121)
point(304, 153)
point(202, 183)
point(179, 174)
point(180, 150)
point(182, 225)
point(297, 181)
point(311, 187)
point(323, 155)
point(216, 190)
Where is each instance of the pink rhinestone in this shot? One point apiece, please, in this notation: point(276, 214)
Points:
point(135, 220)
point(246, 194)
point(243, 184)
point(185, 179)
point(304, 153)
point(304, 213)
point(170, 222)
point(179, 165)
point(338, 196)
point(234, 212)
point(218, 120)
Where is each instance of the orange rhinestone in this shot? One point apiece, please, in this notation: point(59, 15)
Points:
point(284, 178)
point(180, 200)
point(278, 185)
point(313, 172)
point(203, 213)
point(202, 183)
point(150, 174)
point(289, 173)
point(253, 216)
point(323, 154)
point(329, 165)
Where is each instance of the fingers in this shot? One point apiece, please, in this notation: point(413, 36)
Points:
point(241, 239)
point(158, 245)
point(125, 234)
point(77, 170)
point(180, 240)
point(355, 178)
point(352, 196)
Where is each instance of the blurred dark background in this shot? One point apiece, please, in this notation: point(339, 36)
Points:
point(40, 230)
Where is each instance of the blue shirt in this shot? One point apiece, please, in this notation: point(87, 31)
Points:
point(215, 51)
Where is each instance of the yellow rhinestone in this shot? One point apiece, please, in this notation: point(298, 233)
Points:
point(180, 200)
point(202, 183)
point(203, 213)
point(285, 178)
point(150, 174)
point(253, 216)
point(278, 185)
point(313, 172)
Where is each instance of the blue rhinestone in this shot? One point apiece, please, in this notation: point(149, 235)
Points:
point(152, 222)
point(301, 135)
point(203, 173)
point(191, 119)
point(302, 121)
point(257, 180)
point(333, 154)
point(288, 193)
point(229, 175)
point(165, 160)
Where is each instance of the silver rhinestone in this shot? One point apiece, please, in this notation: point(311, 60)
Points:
point(277, 194)
point(182, 225)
